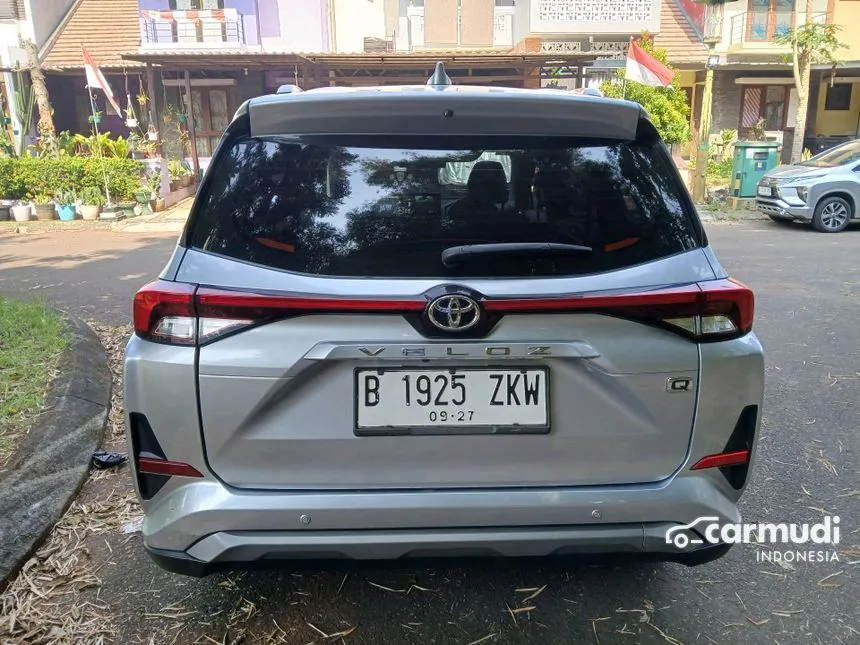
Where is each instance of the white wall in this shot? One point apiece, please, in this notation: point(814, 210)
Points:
point(592, 17)
point(45, 16)
point(355, 20)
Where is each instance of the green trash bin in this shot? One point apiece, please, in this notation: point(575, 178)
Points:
point(751, 161)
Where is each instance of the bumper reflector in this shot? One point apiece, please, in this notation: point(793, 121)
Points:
point(149, 466)
point(736, 458)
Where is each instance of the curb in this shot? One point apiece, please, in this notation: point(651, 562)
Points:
point(51, 463)
point(731, 216)
point(152, 227)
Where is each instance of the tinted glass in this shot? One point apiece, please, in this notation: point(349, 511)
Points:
point(842, 154)
point(390, 207)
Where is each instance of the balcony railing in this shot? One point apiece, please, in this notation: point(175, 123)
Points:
point(764, 26)
point(199, 29)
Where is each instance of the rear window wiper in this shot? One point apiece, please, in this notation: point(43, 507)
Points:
point(460, 254)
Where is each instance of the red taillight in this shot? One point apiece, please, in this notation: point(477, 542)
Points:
point(714, 310)
point(159, 301)
point(152, 466)
point(732, 298)
point(220, 303)
point(735, 458)
point(185, 314)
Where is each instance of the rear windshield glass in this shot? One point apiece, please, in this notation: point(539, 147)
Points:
point(390, 207)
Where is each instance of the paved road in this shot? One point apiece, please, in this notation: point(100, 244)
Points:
point(93, 273)
point(808, 288)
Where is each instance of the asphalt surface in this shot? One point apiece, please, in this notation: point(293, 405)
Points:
point(808, 306)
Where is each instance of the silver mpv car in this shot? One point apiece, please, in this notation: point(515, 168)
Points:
point(823, 190)
point(440, 320)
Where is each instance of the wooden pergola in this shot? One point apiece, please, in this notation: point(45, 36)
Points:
point(351, 70)
point(323, 70)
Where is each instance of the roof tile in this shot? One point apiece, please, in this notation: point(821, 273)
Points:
point(105, 27)
point(678, 38)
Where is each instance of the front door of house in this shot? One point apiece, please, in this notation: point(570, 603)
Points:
point(211, 107)
point(769, 18)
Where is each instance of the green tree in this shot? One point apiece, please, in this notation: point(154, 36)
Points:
point(666, 106)
point(811, 43)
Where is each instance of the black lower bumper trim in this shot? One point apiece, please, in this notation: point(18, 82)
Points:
point(182, 563)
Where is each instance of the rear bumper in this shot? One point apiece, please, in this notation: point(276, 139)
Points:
point(203, 526)
point(245, 549)
point(781, 209)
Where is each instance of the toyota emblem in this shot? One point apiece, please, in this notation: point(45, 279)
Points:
point(454, 313)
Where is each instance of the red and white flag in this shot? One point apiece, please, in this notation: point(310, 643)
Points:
point(96, 79)
point(643, 68)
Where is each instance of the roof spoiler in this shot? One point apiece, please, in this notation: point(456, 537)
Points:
point(288, 89)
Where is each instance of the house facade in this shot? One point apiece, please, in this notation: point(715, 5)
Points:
point(226, 51)
point(753, 82)
point(32, 20)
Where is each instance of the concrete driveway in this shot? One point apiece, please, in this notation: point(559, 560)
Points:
point(93, 273)
point(808, 291)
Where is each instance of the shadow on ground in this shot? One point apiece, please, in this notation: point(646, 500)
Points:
point(94, 274)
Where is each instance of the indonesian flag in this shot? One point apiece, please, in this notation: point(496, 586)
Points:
point(643, 68)
point(95, 78)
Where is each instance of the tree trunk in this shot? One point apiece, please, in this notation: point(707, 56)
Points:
point(43, 100)
point(802, 69)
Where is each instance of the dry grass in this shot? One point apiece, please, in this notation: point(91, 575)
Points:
point(42, 605)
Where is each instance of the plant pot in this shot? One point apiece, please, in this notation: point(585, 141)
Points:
point(67, 212)
point(127, 208)
point(4, 212)
point(90, 212)
point(45, 212)
point(21, 213)
point(173, 185)
point(159, 204)
point(137, 154)
point(142, 197)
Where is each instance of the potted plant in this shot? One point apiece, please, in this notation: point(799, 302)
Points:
point(5, 208)
point(66, 204)
point(44, 206)
point(154, 185)
point(179, 175)
point(187, 178)
point(144, 195)
point(21, 212)
point(92, 201)
point(127, 207)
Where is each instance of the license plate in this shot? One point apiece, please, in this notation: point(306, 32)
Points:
point(764, 191)
point(495, 399)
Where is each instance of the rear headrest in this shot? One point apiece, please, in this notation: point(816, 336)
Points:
point(487, 181)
